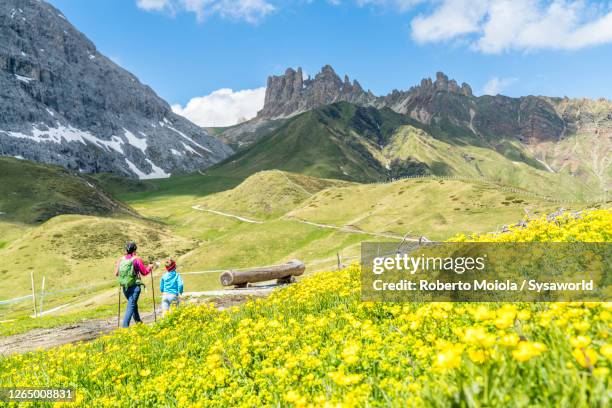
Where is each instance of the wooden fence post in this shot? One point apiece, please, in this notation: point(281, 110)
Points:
point(42, 294)
point(33, 293)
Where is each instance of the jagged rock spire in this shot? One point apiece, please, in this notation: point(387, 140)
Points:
point(288, 94)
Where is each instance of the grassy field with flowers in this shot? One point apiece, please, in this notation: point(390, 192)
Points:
point(316, 344)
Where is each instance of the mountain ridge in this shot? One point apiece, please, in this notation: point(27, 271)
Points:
point(367, 144)
point(529, 119)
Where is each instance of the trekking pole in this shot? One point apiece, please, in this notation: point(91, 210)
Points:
point(118, 305)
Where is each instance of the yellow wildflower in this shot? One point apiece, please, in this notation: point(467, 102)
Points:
point(585, 357)
point(606, 351)
point(449, 357)
point(527, 350)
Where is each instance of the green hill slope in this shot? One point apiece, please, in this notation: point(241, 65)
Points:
point(431, 207)
point(413, 145)
point(33, 193)
point(339, 217)
point(586, 157)
point(288, 210)
point(335, 141)
point(66, 227)
point(76, 250)
point(298, 217)
point(268, 194)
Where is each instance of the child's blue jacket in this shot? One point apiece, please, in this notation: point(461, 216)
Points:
point(171, 282)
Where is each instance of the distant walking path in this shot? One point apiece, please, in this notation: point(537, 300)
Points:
point(350, 229)
point(314, 224)
point(244, 219)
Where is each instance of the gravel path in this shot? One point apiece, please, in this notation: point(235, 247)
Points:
point(88, 330)
point(244, 219)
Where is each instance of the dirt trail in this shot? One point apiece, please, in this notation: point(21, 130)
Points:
point(347, 228)
point(238, 217)
point(88, 330)
point(350, 229)
point(56, 336)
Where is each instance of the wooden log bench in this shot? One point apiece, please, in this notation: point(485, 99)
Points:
point(282, 273)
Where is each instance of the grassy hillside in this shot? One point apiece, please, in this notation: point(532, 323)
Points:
point(76, 255)
point(335, 141)
point(268, 194)
point(586, 157)
point(75, 250)
point(33, 193)
point(317, 344)
point(414, 145)
point(115, 184)
point(79, 252)
point(430, 207)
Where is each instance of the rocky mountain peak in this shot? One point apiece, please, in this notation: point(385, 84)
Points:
point(357, 85)
point(443, 84)
point(466, 89)
point(327, 70)
point(290, 94)
point(63, 102)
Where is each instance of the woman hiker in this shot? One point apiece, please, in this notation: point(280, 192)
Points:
point(129, 270)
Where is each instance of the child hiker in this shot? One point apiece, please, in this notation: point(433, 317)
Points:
point(171, 286)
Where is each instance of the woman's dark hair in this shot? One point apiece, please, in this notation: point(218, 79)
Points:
point(131, 247)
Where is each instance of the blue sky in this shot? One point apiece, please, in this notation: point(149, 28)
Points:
point(188, 49)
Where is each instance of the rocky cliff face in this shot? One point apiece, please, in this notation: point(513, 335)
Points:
point(289, 94)
point(530, 119)
point(63, 102)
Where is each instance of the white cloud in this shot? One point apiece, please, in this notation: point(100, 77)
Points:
point(152, 4)
point(400, 5)
point(251, 11)
point(496, 85)
point(494, 26)
point(223, 107)
point(450, 19)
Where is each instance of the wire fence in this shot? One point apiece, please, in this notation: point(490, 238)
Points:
point(110, 285)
